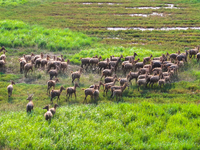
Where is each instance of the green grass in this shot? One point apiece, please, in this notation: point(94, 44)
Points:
point(106, 126)
point(15, 34)
point(12, 2)
point(152, 118)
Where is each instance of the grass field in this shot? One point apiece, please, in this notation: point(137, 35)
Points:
point(152, 118)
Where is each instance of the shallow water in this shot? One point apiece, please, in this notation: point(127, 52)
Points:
point(169, 6)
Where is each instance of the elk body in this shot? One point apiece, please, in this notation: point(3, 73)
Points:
point(107, 72)
point(118, 92)
point(64, 65)
point(57, 93)
point(131, 57)
point(27, 67)
point(76, 75)
point(51, 83)
point(29, 106)
point(10, 88)
point(53, 110)
point(48, 115)
point(71, 90)
point(193, 52)
point(53, 73)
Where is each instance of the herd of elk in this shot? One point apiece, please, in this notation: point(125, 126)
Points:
point(149, 71)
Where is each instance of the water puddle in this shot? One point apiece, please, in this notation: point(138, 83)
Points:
point(151, 29)
point(169, 6)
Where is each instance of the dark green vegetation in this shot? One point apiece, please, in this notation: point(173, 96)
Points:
point(166, 118)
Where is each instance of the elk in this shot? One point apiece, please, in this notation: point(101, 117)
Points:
point(60, 58)
point(45, 61)
point(139, 65)
point(122, 81)
point(28, 57)
point(116, 58)
point(132, 57)
point(198, 57)
point(38, 59)
point(27, 67)
point(182, 56)
point(103, 64)
point(108, 85)
point(76, 74)
point(53, 72)
point(147, 59)
point(10, 88)
point(107, 72)
point(71, 90)
point(110, 79)
point(89, 91)
point(114, 63)
point(155, 78)
point(3, 56)
point(64, 65)
point(141, 82)
point(193, 52)
point(94, 61)
point(22, 63)
point(29, 106)
point(3, 48)
point(2, 64)
point(53, 110)
point(128, 66)
point(51, 83)
point(133, 75)
point(48, 115)
point(117, 87)
point(57, 93)
point(118, 92)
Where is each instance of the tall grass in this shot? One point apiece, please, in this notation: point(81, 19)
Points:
point(12, 2)
point(106, 126)
point(19, 34)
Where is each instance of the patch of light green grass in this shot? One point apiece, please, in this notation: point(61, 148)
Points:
point(19, 34)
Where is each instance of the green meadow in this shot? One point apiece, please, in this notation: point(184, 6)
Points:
point(151, 118)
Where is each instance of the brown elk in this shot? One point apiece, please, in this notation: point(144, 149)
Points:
point(71, 90)
point(51, 83)
point(10, 88)
point(53, 110)
point(48, 115)
point(76, 75)
point(57, 93)
point(29, 106)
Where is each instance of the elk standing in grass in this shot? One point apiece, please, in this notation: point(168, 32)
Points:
point(132, 57)
point(193, 52)
point(3, 48)
point(76, 75)
point(64, 65)
point(48, 115)
point(27, 67)
point(107, 72)
point(53, 110)
point(51, 83)
point(29, 106)
point(53, 72)
point(71, 90)
point(103, 64)
point(57, 93)
point(10, 88)
point(89, 91)
point(118, 92)
point(3, 56)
